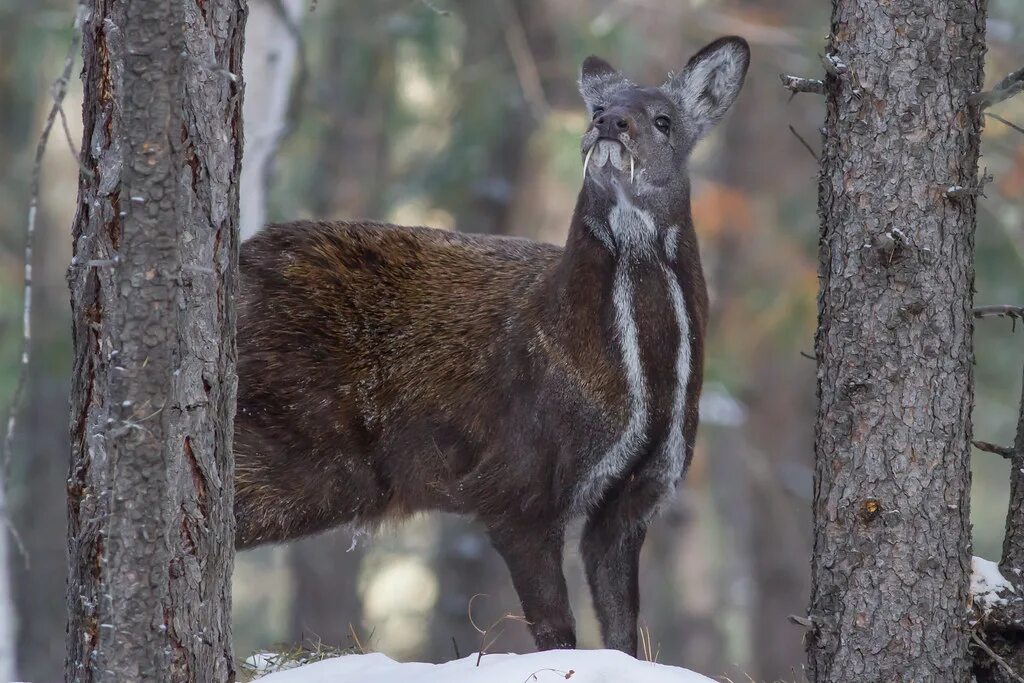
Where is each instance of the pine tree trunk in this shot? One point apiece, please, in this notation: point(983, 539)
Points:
point(152, 285)
point(1003, 628)
point(891, 510)
point(1013, 541)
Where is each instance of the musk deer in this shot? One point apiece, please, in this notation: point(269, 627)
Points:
point(386, 370)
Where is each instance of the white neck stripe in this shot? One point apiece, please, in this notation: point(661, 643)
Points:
point(675, 445)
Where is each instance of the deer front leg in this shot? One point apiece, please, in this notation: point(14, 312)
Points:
point(610, 546)
point(534, 558)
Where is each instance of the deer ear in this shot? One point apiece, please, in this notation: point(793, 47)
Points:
point(598, 80)
point(709, 83)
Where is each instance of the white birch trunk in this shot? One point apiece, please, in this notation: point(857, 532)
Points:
point(271, 53)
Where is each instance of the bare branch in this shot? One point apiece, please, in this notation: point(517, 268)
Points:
point(60, 89)
point(1014, 313)
point(1012, 85)
point(797, 84)
point(1003, 121)
point(803, 142)
point(999, 311)
point(996, 658)
point(1004, 451)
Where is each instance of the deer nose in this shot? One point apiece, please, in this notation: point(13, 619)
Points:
point(612, 125)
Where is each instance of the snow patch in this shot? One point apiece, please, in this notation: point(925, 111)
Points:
point(987, 583)
point(578, 666)
point(262, 663)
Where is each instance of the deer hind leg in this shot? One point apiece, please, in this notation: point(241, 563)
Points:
point(534, 558)
point(612, 538)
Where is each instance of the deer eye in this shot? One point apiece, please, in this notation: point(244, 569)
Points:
point(663, 124)
point(597, 112)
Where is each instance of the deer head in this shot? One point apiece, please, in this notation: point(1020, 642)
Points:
point(639, 139)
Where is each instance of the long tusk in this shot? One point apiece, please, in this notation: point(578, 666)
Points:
point(586, 161)
point(630, 169)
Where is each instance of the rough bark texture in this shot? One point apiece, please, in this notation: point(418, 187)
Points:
point(892, 536)
point(1013, 542)
point(152, 285)
point(1003, 628)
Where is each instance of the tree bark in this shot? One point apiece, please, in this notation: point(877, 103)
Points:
point(1013, 542)
point(891, 511)
point(153, 390)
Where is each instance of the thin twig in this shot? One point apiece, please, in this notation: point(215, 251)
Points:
point(1003, 121)
point(71, 144)
point(469, 613)
point(797, 84)
point(564, 674)
point(996, 658)
point(1004, 451)
point(485, 643)
point(359, 643)
point(1012, 85)
point(803, 142)
point(60, 89)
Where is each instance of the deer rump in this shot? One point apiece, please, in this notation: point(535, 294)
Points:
point(385, 370)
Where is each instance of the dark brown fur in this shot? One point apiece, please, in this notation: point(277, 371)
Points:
point(387, 370)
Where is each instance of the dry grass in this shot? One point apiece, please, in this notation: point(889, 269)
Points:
point(289, 656)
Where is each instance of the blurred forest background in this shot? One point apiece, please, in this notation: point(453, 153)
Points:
point(463, 114)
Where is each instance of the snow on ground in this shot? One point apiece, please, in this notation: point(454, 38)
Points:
point(578, 666)
point(987, 584)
